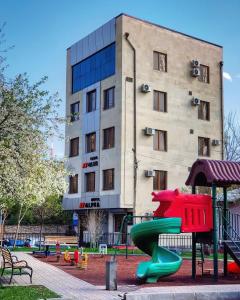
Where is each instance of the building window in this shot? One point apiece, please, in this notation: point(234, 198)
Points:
point(108, 179)
point(160, 180)
point(94, 68)
point(159, 61)
point(90, 182)
point(204, 111)
point(74, 147)
point(73, 184)
point(108, 138)
point(160, 101)
point(109, 98)
point(74, 111)
point(160, 140)
point(91, 101)
point(91, 142)
point(204, 74)
point(203, 146)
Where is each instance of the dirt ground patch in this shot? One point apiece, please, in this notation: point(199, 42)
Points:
point(95, 272)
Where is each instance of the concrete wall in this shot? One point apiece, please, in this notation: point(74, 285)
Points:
point(181, 116)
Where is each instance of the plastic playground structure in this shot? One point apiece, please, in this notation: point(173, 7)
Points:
point(176, 213)
point(194, 213)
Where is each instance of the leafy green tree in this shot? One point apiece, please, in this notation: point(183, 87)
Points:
point(28, 118)
point(46, 178)
point(50, 207)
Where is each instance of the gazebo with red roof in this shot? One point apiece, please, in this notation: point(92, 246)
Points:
point(214, 173)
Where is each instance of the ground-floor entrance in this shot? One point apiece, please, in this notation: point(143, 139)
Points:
point(102, 226)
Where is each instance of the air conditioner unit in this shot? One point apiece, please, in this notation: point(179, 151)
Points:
point(149, 173)
point(215, 142)
point(145, 88)
point(195, 72)
point(196, 101)
point(149, 131)
point(195, 63)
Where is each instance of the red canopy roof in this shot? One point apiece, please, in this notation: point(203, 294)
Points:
point(205, 172)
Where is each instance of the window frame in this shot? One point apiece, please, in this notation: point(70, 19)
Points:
point(106, 185)
point(75, 117)
point(200, 78)
point(165, 101)
point(71, 143)
point(88, 145)
point(94, 91)
point(158, 61)
point(88, 185)
point(105, 144)
point(106, 107)
point(208, 147)
point(200, 114)
point(158, 178)
point(73, 179)
point(157, 135)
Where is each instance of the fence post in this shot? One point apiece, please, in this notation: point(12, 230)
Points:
point(194, 246)
point(215, 237)
point(225, 228)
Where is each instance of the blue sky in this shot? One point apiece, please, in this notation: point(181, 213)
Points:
point(42, 30)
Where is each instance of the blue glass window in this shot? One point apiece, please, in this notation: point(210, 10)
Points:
point(94, 68)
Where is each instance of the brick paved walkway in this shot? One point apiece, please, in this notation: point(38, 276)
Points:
point(72, 288)
point(60, 282)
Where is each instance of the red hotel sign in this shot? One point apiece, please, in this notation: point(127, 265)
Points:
point(95, 203)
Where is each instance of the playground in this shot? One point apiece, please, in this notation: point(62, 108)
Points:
point(213, 258)
point(176, 213)
point(126, 268)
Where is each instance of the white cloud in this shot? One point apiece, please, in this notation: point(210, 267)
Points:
point(227, 76)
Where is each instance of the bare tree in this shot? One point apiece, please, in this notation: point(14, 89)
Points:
point(232, 137)
point(94, 225)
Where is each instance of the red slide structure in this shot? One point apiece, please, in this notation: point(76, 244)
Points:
point(194, 210)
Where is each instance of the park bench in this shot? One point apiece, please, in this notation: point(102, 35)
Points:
point(11, 262)
point(51, 240)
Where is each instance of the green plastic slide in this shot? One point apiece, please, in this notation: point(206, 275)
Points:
point(163, 262)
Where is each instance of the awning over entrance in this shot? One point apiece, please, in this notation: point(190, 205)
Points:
point(205, 172)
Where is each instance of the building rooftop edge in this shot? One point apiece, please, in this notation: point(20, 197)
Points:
point(169, 29)
point(160, 26)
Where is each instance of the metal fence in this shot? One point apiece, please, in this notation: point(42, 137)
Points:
point(179, 241)
point(34, 238)
point(175, 241)
point(233, 219)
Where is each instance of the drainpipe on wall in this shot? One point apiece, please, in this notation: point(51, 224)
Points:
point(135, 162)
point(222, 105)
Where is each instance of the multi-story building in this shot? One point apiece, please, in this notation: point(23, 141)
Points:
point(144, 103)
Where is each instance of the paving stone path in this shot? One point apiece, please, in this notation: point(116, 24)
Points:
point(63, 284)
point(72, 288)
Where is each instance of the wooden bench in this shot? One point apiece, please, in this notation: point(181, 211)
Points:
point(11, 262)
point(51, 240)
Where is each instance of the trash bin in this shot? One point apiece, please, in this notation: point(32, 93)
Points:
point(111, 275)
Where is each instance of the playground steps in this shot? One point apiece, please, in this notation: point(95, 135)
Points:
point(233, 248)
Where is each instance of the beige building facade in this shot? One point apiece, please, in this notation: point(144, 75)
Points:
point(144, 102)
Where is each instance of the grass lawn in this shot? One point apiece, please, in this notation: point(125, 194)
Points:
point(33, 292)
point(71, 249)
point(24, 249)
point(184, 254)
